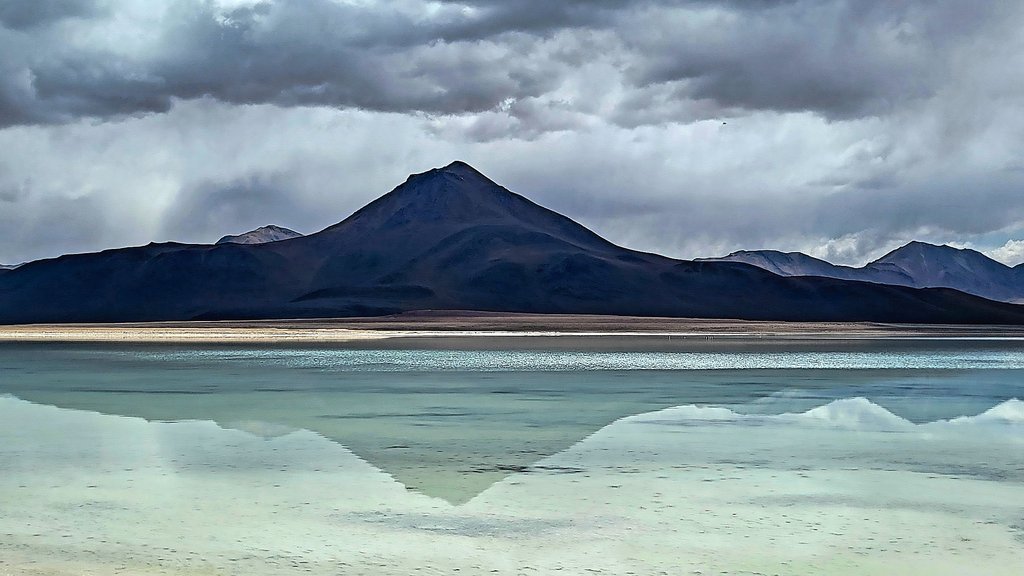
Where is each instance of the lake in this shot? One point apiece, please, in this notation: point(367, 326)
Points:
point(514, 456)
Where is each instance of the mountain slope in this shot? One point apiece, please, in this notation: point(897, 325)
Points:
point(963, 269)
point(787, 263)
point(261, 235)
point(782, 263)
point(917, 264)
point(448, 239)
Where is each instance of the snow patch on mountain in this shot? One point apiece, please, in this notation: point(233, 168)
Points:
point(261, 235)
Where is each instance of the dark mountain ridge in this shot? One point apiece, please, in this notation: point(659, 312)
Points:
point(917, 264)
point(449, 239)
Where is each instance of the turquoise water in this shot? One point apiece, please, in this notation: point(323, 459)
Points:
point(859, 457)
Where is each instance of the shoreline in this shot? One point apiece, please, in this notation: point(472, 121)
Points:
point(436, 328)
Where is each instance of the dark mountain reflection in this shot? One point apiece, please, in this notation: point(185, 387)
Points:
point(445, 433)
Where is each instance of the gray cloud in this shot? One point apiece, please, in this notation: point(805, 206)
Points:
point(689, 127)
point(24, 15)
point(840, 59)
point(948, 208)
point(49, 227)
point(495, 17)
point(290, 52)
point(206, 211)
point(12, 193)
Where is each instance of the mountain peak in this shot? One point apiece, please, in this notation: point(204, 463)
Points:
point(261, 235)
point(922, 246)
point(918, 249)
point(457, 170)
point(443, 201)
point(782, 263)
point(454, 192)
point(460, 166)
point(930, 265)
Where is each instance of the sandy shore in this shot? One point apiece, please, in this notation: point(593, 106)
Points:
point(428, 327)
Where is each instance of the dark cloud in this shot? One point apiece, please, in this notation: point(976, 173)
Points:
point(290, 52)
point(17, 15)
point(206, 211)
point(837, 58)
point(49, 227)
point(947, 206)
point(689, 127)
point(487, 18)
point(11, 193)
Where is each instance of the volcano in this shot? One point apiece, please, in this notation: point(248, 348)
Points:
point(449, 239)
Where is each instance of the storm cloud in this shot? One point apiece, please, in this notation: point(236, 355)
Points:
point(689, 127)
point(840, 59)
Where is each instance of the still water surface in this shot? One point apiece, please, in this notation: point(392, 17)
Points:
point(867, 457)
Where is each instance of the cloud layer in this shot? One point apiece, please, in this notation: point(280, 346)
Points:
point(687, 127)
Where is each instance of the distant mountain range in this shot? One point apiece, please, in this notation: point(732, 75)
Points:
point(450, 239)
point(261, 235)
point(917, 264)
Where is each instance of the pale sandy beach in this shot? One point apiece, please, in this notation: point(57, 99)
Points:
point(493, 327)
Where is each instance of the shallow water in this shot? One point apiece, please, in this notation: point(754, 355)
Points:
point(859, 457)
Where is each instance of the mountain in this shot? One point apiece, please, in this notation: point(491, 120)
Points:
point(786, 263)
point(261, 235)
point(917, 264)
point(800, 264)
point(449, 239)
point(963, 269)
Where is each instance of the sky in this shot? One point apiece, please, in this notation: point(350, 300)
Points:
point(840, 128)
